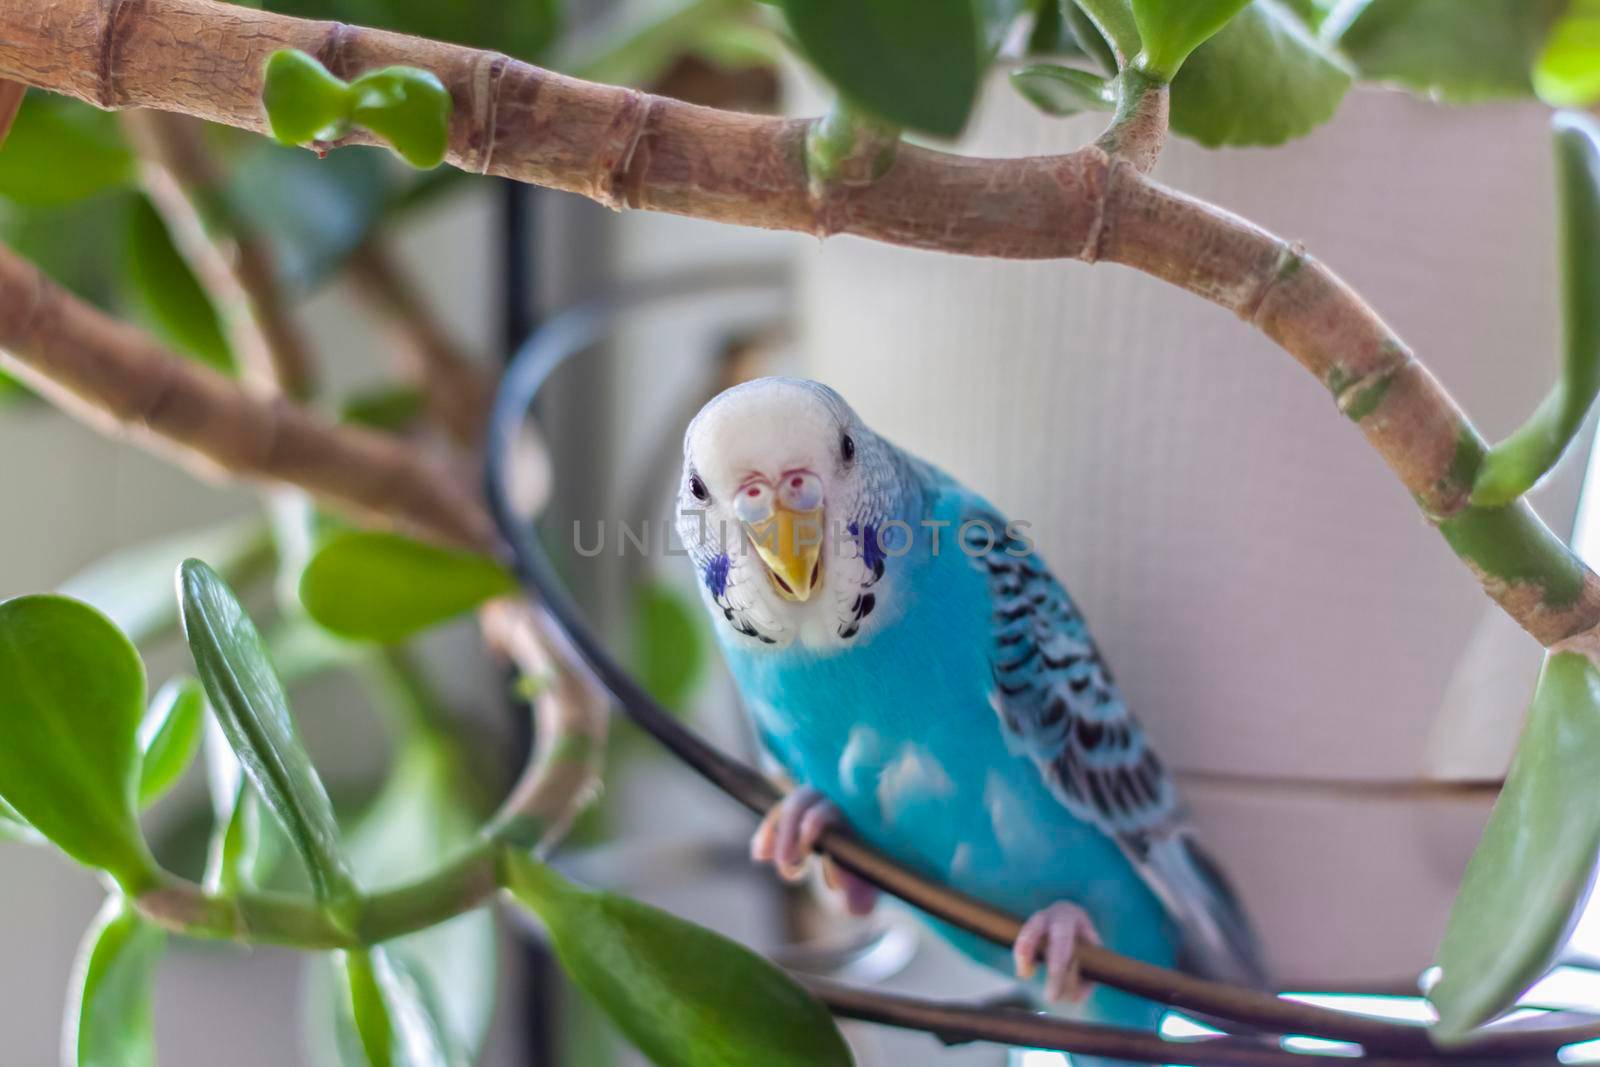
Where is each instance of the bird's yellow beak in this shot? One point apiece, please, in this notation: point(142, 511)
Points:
point(790, 544)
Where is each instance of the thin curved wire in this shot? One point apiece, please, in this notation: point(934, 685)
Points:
point(580, 328)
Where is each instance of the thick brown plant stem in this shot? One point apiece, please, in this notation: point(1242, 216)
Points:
point(458, 393)
point(11, 94)
point(117, 378)
point(1138, 132)
point(232, 264)
point(628, 149)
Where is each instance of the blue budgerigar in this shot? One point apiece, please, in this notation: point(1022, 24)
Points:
point(924, 679)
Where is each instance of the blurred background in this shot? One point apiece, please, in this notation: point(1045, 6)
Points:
point(1307, 654)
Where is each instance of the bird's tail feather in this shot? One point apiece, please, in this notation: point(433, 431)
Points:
point(1218, 940)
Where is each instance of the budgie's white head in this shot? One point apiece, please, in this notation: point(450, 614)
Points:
point(783, 493)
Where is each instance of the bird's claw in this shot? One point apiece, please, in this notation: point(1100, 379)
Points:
point(789, 833)
point(1054, 933)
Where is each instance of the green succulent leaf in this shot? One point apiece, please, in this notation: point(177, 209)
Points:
point(996, 17)
point(133, 586)
point(250, 706)
point(424, 812)
point(13, 827)
point(408, 108)
point(687, 997)
point(1050, 35)
point(1088, 37)
point(914, 63)
point(368, 1012)
point(1516, 464)
point(234, 858)
point(72, 694)
point(1530, 873)
point(110, 1014)
point(304, 102)
point(422, 817)
point(1171, 29)
point(169, 736)
point(60, 151)
point(387, 1018)
point(1261, 80)
point(167, 292)
point(1439, 48)
point(384, 587)
point(669, 644)
point(1568, 71)
point(1057, 90)
point(1116, 25)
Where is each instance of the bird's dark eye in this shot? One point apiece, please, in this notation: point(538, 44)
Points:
point(847, 448)
point(698, 488)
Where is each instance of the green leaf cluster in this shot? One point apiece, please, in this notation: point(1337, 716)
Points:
point(1241, 73)
point(80, 753)
point(409, 109)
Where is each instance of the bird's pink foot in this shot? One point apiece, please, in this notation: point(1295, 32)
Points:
point(791, 830)
point(1054, 934)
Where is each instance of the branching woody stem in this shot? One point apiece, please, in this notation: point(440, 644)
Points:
point(233, 265)
point(118, 379)
point(1138, 130)
point(631, 150)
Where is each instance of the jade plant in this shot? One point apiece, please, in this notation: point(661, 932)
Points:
point(370, 537)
